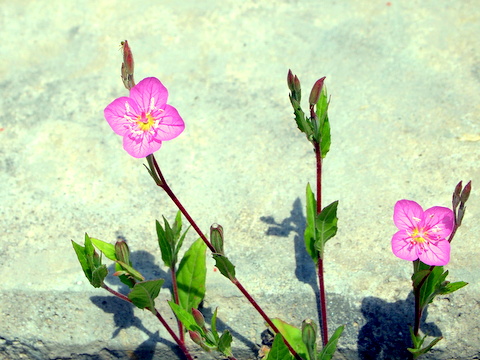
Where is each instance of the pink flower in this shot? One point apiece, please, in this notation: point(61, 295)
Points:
point(423, 234)
point(144, 119)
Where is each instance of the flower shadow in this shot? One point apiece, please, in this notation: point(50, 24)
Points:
point(386, 334)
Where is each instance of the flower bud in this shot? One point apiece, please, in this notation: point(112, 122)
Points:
point(456, 195)
point(466, 192)
point(127, 65)
point(316, 91)
point(290, 81)
point(309, 333)
point(122, 252)
point(195, 336)
point(198, 316)
point(216, 237)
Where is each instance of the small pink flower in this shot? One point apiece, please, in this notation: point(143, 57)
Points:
point(144, 119)
point(423, 234)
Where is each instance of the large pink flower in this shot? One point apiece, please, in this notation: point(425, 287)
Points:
point(423, 234)
point(144, 119)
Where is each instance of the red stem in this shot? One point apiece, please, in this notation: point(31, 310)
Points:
point(321, 282)
point(235, 281)
point(177, 301)
point(159, 317)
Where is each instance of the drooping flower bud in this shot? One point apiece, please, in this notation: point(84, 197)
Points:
point(198, 316)
point(196, 337)
point(216, 237)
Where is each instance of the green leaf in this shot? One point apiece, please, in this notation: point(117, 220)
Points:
point(279, 350)
point(166, 244)
point(131, 271)
point(213, 325)
point(191, 276)
point(326, 138)
point(329, 349)
point(417, 349)
point(293, 336)
point(107, 249)
point(311, 234)
point(226, 268)
point(82, 259)
point(225, 343)
point(451, 287)
point(323, 136)
point(99, 275)
point(326, 224)
point(144, 293)
point(186, 318)
point(126, 279)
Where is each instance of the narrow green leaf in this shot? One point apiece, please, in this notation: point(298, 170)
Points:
point(131, 271)
point(418, 352)
point(329, 349)
point(82, 259)
point(107, 249)
point(326, 224)
point(326, 138)
point(186, 318)
point(225, 267)
point(451, 287)
point(310, 234)
point(126, 279)
point(279, 350)
point(323, 136)
point(144, 294)
point(166, 246)
point(225, 343)
point(293, 336)
point(419, 276)
point(191, 276)
point(213, 325)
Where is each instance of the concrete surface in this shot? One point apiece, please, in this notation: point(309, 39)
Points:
point(404, 79)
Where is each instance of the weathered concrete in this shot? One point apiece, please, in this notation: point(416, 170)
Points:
point(404, 80)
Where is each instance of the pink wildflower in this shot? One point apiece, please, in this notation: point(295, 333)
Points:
point(423, 234)
point(144, 119)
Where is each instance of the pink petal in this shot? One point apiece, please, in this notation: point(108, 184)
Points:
point(402, 248)
point(115, 114)
point(171, 124)
point(404, 212)
point(441, 219)
point(437, 254)
point(140, 147)
point(145, 90)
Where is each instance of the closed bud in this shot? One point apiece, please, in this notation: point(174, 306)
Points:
point(466, 192)
point(316, 91)
point(122, 252)
point(456, 195)
point(198, 316)
point(195, 336)
point(290, 81)
point(309, 332)
point(127, 65)
point(216, 237)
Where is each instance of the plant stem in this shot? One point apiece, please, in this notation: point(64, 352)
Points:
point(321, 282)
point(177, 301)
point(163, 184)
point(180, 343)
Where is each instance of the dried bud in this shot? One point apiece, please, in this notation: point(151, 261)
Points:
point(216, 237)
point(316, 91)
point(196, 337)
point(122, 252)
point(198, 316)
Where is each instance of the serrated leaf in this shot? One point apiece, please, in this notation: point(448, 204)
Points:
point(225, 343)
point(225, 267)
point(311, 233)
point(293, 336)
point(144, 293)
point(106, 248)
point(191, 276)
point(82, 259)
point(185, 318)
point(326, 224)
point(279, 350)
point(99, 275)
point(329, 349)
point(165, 244)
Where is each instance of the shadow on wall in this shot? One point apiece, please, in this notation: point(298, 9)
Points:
point(385, 333)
